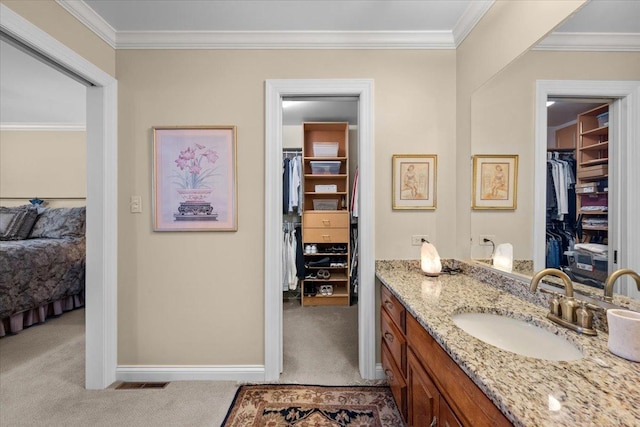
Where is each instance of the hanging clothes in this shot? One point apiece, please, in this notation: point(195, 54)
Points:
point(289, 269)
point(286, 171)
point(295, 183)
point(355, 196)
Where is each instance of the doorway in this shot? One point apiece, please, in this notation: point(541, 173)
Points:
point(276, 91)
point(624, 176)
point(102, 206)
point(316, 325)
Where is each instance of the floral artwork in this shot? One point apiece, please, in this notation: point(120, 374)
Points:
point(194, 179)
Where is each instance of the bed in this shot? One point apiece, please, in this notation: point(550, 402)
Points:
point(42, 264)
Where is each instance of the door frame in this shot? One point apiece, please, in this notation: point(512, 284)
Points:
point(624, 176)
point(101, 201)
point(275, 90)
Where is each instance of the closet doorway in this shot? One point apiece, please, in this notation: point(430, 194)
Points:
point(276, 92)
point(623, 175)
point(320, 325)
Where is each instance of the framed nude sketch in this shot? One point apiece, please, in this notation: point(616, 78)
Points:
point(194, 178)
point(414, 181)
point(495, 181)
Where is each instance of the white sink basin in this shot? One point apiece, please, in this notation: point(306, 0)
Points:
point(516, 336)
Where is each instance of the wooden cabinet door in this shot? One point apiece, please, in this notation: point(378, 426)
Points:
point(446, 416)
point(423, 397)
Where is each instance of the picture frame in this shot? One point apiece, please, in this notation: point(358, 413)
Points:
point(414, 181)
point(495, 181)
point(195, 178)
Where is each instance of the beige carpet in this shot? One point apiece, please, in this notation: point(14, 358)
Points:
point(42, 375)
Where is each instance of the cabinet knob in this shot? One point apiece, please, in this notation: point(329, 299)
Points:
point(434, 422)
point(389, 374)
point(326, 237)
point(388, 304)
point(388, 336)
point(326, 221)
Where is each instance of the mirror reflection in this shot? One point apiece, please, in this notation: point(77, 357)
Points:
point(582, 213)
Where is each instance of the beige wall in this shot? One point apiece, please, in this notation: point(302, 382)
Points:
point(197, 298)
point(49, 16)
point(42, 164)
point(503, 122)
point(506, 31)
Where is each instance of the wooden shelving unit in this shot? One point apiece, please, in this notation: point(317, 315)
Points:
point(592, 156)
point(325, 216)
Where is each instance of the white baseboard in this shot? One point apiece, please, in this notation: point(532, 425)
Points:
point(190, 373)
point(380, 372)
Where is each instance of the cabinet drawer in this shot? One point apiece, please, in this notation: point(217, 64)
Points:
point(394, 309)
point(325, 235)
point(397, 384)
point(326, 220)
point(395, 341)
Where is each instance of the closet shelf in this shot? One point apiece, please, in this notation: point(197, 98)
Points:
point(325, 158)
point(595, 228)
point(595, 162)
point(594, 212)
point(324, 176)
point(602, 130)
point(324, 193)
point(595, 147)
point(335, 277)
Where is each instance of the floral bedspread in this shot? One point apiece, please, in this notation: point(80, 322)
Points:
point(34, 272)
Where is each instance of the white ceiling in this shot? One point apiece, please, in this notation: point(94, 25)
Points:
point(34, 93)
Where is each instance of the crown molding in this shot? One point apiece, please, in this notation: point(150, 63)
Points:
point(82, 12)
point(285, 40)
point(42, 127)
point(595, 42)
point(474, 13)
point(604, 42)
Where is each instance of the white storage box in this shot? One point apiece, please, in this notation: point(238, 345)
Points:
point(325, 168)
point(327, 188)
point(325, 204)
point(325, 149)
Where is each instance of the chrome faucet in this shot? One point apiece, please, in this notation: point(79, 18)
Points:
point(564, 310)
point(608, 286)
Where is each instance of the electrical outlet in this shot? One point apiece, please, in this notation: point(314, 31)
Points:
point(416, 239)
point(135, 204)
point(481, 241)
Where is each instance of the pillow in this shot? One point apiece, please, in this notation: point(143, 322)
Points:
point(57, 223)
point(16, 223)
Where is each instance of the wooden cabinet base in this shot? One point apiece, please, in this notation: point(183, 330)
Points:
point(470, 405)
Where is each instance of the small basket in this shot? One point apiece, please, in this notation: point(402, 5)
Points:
point(325, 204)
point(325, 149)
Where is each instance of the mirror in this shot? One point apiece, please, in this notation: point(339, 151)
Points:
point(504, 115)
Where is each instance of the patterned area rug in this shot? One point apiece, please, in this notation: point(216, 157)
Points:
point(312, 406)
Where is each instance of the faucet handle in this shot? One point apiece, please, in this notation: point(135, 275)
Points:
point(584, 317)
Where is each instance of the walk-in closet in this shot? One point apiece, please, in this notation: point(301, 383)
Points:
point(320, 236)
point(577, 203)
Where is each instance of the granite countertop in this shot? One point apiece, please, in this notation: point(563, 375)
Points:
point(599, 390)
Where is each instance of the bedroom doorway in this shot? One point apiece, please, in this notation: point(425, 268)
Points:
point(102, 207)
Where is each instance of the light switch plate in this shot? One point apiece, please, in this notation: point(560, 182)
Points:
point(135, 204)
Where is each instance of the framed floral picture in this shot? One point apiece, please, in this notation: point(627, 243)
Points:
point(414, 181)
point(195, 178)
point(495, 181)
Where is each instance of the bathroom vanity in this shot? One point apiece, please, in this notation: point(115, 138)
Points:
point(441, 375)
